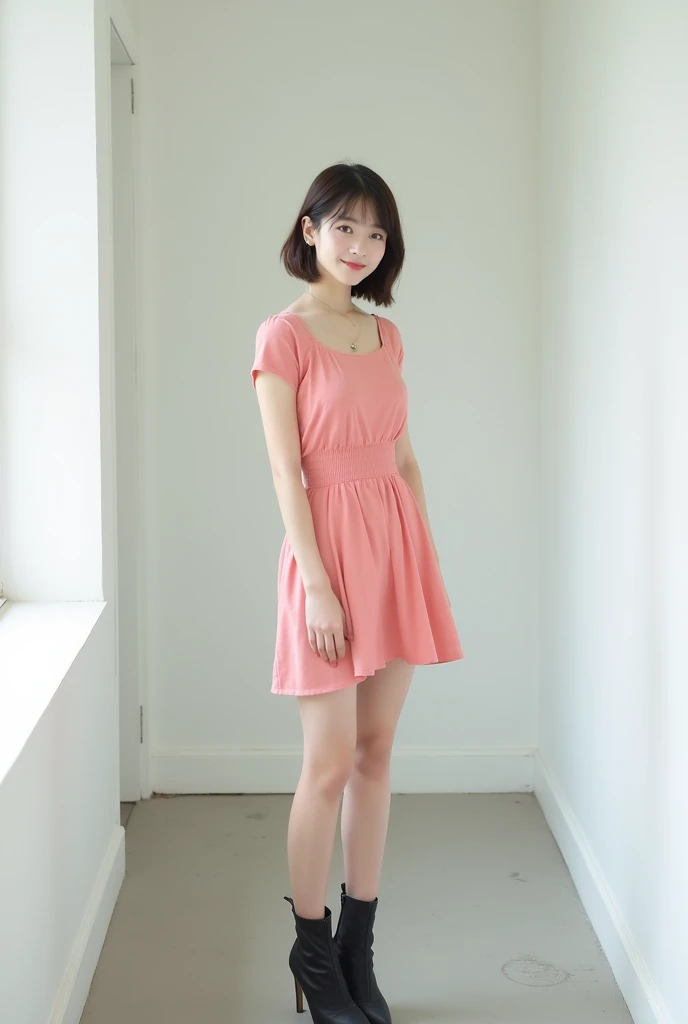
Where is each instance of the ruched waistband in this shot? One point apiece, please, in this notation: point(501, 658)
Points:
point(337, 465)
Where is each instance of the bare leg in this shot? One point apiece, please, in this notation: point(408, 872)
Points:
point(366, 803)
point(329, 736)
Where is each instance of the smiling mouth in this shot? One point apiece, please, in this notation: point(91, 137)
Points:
point(356, 266)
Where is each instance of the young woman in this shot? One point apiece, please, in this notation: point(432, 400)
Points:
point(361, 599)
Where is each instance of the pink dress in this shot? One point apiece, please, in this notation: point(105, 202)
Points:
point(371, 535)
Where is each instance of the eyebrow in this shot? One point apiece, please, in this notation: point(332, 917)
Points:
point(354, 221)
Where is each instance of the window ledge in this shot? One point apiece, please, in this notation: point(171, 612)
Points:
point(38, 644)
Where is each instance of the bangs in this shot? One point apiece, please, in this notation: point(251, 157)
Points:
point(371, 209)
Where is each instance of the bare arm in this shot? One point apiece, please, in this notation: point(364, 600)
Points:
point(324, 614)
point(277, 401)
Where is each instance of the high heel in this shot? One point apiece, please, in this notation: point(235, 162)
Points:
point(315, 965)
point(353, 940)
point(299, 996)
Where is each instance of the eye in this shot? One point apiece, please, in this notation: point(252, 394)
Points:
point(381, 237)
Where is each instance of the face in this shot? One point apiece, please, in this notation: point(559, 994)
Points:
point(348, 240)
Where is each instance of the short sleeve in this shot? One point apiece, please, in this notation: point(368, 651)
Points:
point(277, 352)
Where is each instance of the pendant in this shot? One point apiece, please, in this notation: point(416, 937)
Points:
point(354, 346)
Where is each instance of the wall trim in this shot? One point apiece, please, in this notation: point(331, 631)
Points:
point(72, 994)
point(613, 936)
point(415, 769)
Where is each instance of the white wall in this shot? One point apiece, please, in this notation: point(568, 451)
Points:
point(126, 13)
point(50, 522)
point(613, 710)
point(62, 845)
point(241, 106)
point(62, 848)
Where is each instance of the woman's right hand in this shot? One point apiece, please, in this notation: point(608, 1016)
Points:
point(326, 624)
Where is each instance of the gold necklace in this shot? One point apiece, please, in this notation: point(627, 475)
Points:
point(353, 344)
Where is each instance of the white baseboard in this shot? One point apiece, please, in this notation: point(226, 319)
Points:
point(73, 992)
point(277, 770)
point(614, 938)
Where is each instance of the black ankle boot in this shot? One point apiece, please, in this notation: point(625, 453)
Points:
point(353, 941)
point(314, 963)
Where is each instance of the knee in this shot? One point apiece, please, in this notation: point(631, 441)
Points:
point(374, 754)
point(331, 775)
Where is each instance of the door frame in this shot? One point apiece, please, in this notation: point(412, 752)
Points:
point(130, 492)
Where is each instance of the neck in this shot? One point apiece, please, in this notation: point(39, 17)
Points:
point(333, 294)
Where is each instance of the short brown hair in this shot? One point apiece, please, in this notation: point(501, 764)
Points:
point(333, 195)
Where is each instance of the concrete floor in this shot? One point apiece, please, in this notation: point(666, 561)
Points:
point(478, 921)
